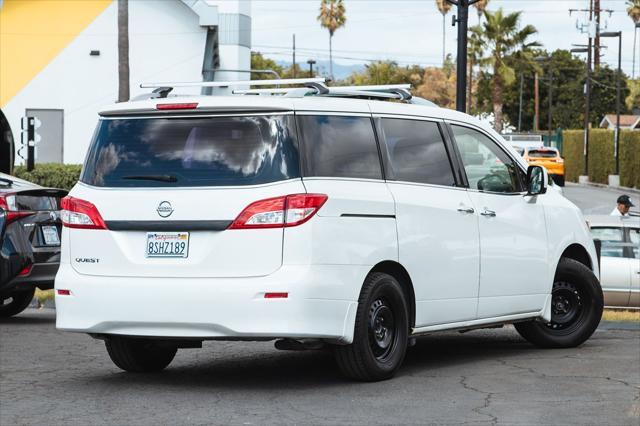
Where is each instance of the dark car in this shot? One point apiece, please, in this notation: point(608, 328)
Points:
point(29, 241)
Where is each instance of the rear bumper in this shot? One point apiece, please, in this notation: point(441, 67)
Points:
point(42, 275)
point(214, 308)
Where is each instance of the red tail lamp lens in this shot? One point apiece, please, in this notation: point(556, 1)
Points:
point(276, 295)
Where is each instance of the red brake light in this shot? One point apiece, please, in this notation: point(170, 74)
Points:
point(7, 203)
point(276, 295)
point(164, 107)
point(77, 213)
point(279, 212)
point(64, 292)
point(25, 271)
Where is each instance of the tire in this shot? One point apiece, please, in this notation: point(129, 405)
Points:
point(380, 334)
point(559, 180)
point(576, 309)
point(20, 301)
point(139, 355)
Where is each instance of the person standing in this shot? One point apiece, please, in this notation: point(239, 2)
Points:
point(624, 204)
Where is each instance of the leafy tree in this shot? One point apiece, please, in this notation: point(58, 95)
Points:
point(386, 72)
point(481, 6)
point(603, 94)
point(567, 75)
point(332, 16)
point(259, 62)
point(633, 100)
point(500, 37)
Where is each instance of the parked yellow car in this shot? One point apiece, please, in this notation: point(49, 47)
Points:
point(550, 159)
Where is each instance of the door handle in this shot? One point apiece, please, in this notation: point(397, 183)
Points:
point(488, 213)
point(466, 210)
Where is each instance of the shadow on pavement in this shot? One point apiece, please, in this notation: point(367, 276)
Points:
point(302, 370)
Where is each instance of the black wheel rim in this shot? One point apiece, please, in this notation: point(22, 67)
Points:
point(383, 333)
point(567, 307)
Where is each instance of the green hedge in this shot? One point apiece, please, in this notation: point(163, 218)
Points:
point(601, 159)
point(51, 175)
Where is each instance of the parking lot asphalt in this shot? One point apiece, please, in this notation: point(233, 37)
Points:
point(593, 200)
point(49, 377)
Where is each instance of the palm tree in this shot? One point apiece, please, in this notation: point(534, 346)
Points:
point(474, 54)
point(123, 50)
point(633, 10)
point(481, 6)
point(500, 37)
point(332, 16)
point(444, 7)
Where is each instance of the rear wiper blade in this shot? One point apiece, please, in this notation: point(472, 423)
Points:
point(159, 178)
point(5, 181)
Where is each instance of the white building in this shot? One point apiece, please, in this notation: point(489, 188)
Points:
point(59, 60)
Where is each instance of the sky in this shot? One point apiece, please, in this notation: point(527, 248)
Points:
point(410, 32)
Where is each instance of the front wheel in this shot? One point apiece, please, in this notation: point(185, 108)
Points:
point(139, 355)
point(381, 331)
point(576, 309)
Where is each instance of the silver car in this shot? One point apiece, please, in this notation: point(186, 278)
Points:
point(620, 259)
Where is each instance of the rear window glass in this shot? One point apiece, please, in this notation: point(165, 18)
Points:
point(543, 153)
point(339, 146)
point(417, 152)
point(35, 203)
point(196, 151)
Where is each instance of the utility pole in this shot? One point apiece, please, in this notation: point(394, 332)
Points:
point(294, 56)
point(550, 123)
point(461, 72)
point(536, 114)
point(596, 45)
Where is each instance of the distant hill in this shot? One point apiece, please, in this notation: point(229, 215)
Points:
point(321, 68)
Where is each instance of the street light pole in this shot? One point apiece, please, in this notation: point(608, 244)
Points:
point(311, 62)
point(461, 70)
point(616, 142)
point(586, 114)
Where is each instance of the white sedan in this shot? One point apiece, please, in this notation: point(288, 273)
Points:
point(620, 259)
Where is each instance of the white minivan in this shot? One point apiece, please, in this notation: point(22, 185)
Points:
point(346, 218)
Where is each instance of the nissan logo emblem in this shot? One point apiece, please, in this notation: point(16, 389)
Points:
point(164, 209)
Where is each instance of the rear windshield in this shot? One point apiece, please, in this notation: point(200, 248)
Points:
point(197, 151)
point(546, 153)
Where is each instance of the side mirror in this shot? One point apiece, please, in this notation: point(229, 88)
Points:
point(537, 180)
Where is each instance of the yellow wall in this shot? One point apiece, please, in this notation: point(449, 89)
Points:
point(34, 32)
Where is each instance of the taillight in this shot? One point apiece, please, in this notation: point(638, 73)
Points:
point(77, 213)
point(279, 212)
point(165, 107)
point(25, 271)
point(8, 204)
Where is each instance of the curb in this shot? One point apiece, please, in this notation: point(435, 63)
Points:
point(603, 185)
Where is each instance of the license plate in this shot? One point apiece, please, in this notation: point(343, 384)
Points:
point(167, 244)
point(50, 234)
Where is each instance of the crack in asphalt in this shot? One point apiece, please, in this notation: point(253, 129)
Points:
point(487, 400)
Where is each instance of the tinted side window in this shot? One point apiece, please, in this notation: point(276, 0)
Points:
point(338, 146)
point(488, 167)
point(417, 152)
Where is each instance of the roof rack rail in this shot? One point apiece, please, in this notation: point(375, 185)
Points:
point(278, 82)
point(310, 87)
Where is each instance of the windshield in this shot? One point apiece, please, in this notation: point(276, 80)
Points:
point(543, 153)
point(197, 151)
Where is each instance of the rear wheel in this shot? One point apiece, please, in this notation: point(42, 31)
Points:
point(576, 309)
point(13, 303)
point(381, 331)
point(139, 355)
